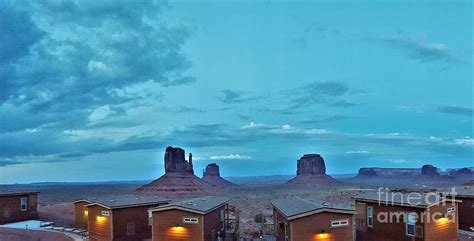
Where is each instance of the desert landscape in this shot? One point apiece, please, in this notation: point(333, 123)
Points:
point(252, 196)
point(240, 120)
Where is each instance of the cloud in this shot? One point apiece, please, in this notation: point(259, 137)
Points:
point(70, 58)
point(230, 157)
point(69, 69)
point(329, 93)
point(235, 97)
point(324, 119)
point(418, 48)
point(357, 152)
point(455, 110)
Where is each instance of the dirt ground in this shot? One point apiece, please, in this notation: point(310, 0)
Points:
point(7, 234)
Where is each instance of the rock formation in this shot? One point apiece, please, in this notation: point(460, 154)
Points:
point(311, 170)
point(429, 170)
point(465, 174)
point(179, 178)
point(427, 174)
point(175, 162)
point(388, 172)
point(311, 164)
point(212, 176)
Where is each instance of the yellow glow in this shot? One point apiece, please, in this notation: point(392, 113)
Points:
point(178, 231)
point(443, 220)
point(101, 219)
point(322, 236)
point(86, 213)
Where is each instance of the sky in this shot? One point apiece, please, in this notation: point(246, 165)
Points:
point(96, 90)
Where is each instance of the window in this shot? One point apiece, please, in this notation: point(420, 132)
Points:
point(451, 210)
point(130, 229)
point(23, 204)
point(191, 220)
point(286, 232)
point(339, 223)
point(370, 217)
point(410, 227)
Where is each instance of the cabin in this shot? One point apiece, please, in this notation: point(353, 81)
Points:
point(17, 206)
point(392, 216)
point(198, 219)
point(81, 214)
point(466, 208)
point(298, 219)
point(121, 218)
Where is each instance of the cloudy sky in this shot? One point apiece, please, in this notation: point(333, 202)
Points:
point(95, 90)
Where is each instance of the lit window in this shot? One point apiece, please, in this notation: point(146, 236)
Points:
point(339, 223)
point(451, 210)
point(410, 227)
point(23, 204)
point(370, 217)
point(191, 220)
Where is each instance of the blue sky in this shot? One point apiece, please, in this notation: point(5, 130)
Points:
point(95, 91)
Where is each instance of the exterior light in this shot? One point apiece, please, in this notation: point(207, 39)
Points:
point(100, 219)
point(322, 235)
point(86, 213)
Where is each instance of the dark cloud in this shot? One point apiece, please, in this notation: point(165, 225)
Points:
point(235, 97)
point(62, 59)
point(418, 47)
point(19, 33)
point(328, 93)
point(456, 110)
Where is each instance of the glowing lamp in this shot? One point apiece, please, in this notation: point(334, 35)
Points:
point(86, 213)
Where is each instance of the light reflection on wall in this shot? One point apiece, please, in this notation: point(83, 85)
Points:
point(178, 232)
point(322, 237)
point(101, 219)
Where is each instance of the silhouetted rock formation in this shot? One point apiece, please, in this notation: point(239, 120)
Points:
point(311, 171)
point(212, 170)
point(427, 174)
point(429, 170)
point(175, 162)
point(465, 173)
point(311, 164)
point(388, 172)
point(179, 178)
point(470, 183)
point(212, 176)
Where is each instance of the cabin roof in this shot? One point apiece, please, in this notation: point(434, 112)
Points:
point(467, 193)
point(5, 193)
point(124, 201)
point(412, 199)
point(296, 207)
point(200, 205)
